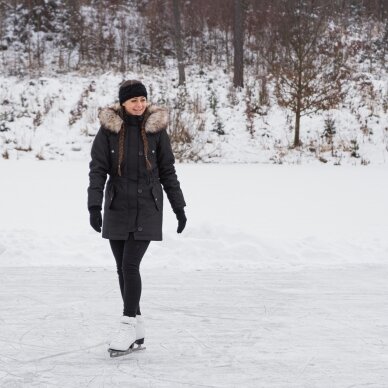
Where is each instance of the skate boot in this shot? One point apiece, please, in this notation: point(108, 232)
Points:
point(140, 330)
point(124, 341)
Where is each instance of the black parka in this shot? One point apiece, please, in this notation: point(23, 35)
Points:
point(133, 202)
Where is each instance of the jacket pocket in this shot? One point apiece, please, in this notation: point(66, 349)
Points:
point(111, 195)
point(157, 198)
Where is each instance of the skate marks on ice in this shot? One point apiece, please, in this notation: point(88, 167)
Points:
point(312, 328)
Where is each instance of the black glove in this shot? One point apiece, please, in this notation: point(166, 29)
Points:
point(181, 217)
point(95, 218)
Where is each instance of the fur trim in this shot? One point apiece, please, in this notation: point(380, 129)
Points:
point(157, 119)
point(110, 118)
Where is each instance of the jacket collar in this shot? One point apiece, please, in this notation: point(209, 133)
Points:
point(156, 118)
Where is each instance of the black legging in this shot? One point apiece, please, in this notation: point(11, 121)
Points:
point(128, 255)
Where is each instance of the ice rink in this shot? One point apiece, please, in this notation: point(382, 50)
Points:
point(279, 280)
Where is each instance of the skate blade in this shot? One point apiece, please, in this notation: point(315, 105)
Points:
point(120, 353)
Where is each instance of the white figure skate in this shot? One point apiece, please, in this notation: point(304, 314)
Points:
point(124, 342)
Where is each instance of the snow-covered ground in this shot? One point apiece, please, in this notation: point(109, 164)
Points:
point(279, 280)
point(55, 118)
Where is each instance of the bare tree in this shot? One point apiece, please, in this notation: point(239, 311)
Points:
point(178, 41)
point(4, 9)
point(104, 34)
point(308, 66)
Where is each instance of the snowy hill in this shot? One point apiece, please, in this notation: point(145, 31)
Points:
point(56, 118)
point(82, 54)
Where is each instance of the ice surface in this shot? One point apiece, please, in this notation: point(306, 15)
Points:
point(279, 280)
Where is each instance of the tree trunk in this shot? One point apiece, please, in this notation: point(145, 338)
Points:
point(299, 96)
point(382, 10)
point(297, 126)
point(227, 47)
point(238, 44)
point(123, 44)
point(178, 41)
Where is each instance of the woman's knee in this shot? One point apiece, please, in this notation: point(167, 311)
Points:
point(130, 267)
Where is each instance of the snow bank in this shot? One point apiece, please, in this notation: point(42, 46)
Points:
point(239, 216)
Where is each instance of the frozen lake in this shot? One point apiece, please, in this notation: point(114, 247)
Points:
point(279, 280)
point(309, 328)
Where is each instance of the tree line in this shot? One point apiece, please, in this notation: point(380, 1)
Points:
point(306, 47)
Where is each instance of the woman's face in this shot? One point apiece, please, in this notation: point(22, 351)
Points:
point(135, 106)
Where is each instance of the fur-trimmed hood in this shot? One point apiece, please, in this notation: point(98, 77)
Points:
point(156, 118)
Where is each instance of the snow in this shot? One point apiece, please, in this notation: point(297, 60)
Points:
point(279, 280)
point(56, 118)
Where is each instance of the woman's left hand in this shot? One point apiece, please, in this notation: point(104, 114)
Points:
point(181, 217)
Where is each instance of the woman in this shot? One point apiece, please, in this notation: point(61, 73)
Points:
point(133, 148)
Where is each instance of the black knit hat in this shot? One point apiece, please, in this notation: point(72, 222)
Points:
point(130, 89)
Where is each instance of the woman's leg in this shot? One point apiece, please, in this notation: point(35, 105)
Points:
point(134, 251)
point(117, 247)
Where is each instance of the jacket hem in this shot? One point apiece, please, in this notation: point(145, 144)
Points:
point(136, 236)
